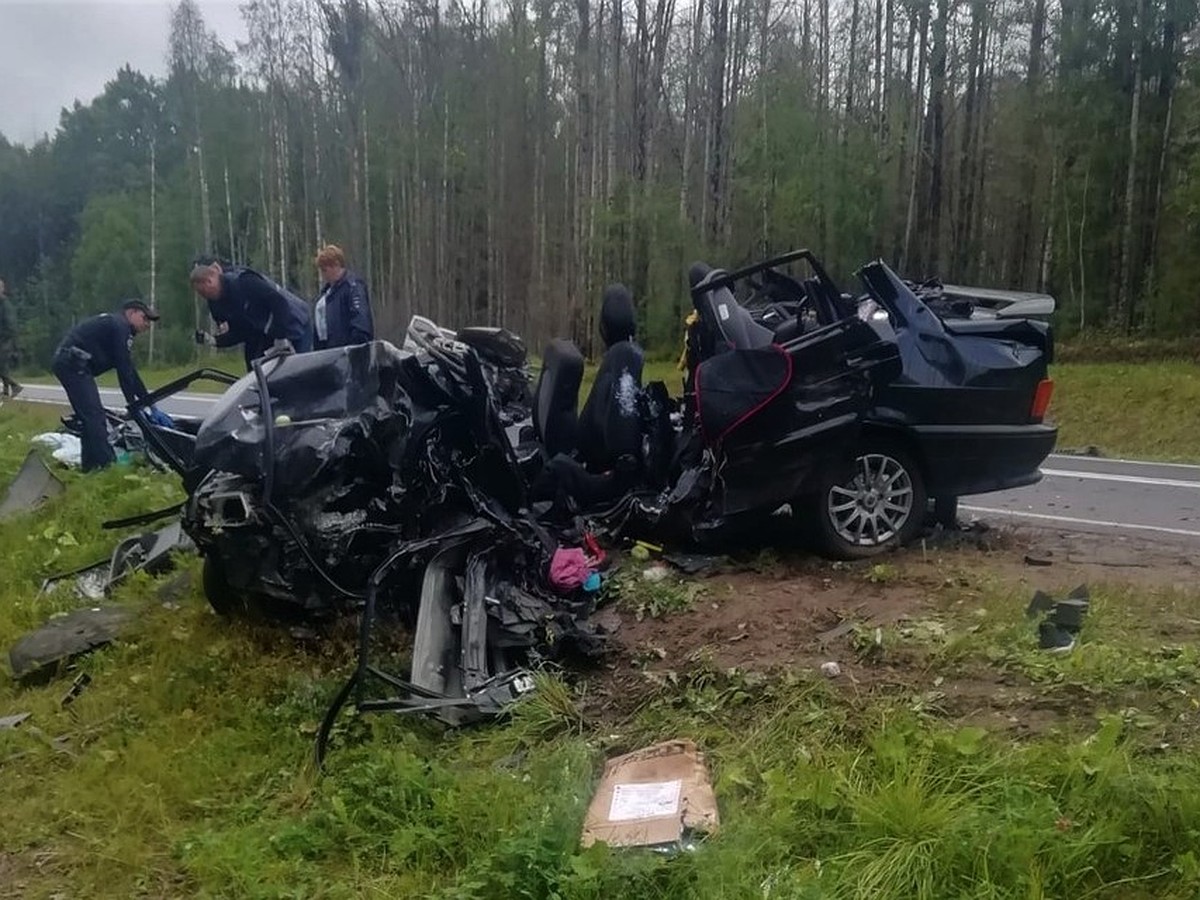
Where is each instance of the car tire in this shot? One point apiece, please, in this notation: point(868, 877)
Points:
point(876, 504)
point(219, 592)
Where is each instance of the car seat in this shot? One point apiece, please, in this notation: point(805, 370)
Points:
point(610, 427)
point(728, 325)
point(556, 398)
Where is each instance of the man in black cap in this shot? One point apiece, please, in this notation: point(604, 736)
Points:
point(91, 348)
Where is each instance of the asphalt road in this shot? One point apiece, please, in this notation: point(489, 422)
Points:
point(1076, 493)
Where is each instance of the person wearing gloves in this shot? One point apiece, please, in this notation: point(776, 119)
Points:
point(91, 348)
point(252, 310)
point(342, 316)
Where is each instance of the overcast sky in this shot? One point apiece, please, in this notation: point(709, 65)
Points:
point(54, 51)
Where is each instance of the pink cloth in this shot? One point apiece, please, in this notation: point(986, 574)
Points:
point(569, 569)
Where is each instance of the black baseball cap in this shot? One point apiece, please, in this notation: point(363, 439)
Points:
point(142, 307)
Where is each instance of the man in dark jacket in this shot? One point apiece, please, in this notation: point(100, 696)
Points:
point(252, 310)
point(91, 348)
point(8, 344)
point(342, 316)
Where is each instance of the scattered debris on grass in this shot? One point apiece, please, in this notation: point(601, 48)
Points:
point(39, 655)
point(33, 485)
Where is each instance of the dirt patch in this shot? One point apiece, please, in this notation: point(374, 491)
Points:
point(1038, 555)
point(807, 612)
point(795, 620)
point(755, 623)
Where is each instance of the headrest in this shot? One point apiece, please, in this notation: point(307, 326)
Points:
point(618, 319)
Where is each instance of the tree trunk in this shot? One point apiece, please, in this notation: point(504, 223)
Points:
point(900, 201)
point(443, 245)
point(1123, 314)
point(153, 243)
point(366, 152)
point(968, 154)
point(937, 139)
point(767, 167)
point(852, 68)
point(877, 93)
point(229, 215)
point(1166, 91)
point(918, 103)
point(1032, 144)
point(583, 166)
point(689, 106)
point(716, 100)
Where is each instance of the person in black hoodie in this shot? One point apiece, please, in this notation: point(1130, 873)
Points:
point(250, 309)
point(342, 316)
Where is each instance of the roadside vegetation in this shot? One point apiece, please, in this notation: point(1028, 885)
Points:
point(951, 758)
point(1148, 410)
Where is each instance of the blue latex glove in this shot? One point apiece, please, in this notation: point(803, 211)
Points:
point(160, 418)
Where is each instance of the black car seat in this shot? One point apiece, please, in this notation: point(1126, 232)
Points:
point(556, 398)
point(610, 426)
point(729, 325)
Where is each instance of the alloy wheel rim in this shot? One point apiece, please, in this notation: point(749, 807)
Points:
point(872, 507)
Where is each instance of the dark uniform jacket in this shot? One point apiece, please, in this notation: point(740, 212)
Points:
point(98, 344)
point(347, 314)
point(259, 312)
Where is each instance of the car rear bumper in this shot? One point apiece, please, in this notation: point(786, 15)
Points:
point(979, 459)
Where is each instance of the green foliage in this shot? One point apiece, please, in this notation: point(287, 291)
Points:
point(1139, 411)
point(653, 597)
point(111, 257)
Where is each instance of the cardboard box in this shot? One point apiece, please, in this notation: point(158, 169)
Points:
point(652, 797)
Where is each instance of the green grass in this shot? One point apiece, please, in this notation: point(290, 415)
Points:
point(186, 770)
point(1140, 410)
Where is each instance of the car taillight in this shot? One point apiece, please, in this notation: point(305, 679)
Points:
point(1041, 399)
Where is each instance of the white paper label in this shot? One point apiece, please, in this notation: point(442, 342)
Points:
point(644, 801)
point(723, 312)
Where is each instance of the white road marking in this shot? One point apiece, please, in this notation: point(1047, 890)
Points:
point(1123, 462)
point(1071, 520)
point(1123, 479)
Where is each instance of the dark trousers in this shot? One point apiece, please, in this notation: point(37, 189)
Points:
point(8, 353)
point(81, 389)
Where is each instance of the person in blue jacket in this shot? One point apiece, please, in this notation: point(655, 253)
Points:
point(250, 309)
point(90, 348)
point(342, 315)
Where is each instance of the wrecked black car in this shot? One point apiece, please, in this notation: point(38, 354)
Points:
point(429, 485)
point(854, 412)
point(964, 415)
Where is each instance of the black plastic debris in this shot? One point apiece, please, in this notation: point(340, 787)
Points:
point(1040, 603)
point(1055, 638)
point(33, 486)
point(37, 656)
point(81, 682)
point(694, 563)
point(151, 552)
point(1061, 620)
